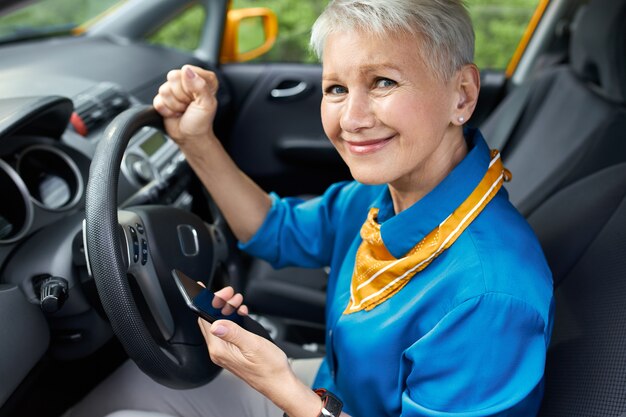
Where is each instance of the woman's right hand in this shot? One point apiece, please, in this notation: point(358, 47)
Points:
point(188, 104)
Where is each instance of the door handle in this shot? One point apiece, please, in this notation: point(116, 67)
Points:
point(289, 92)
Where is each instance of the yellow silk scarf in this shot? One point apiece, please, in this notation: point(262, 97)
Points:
point(378, 275)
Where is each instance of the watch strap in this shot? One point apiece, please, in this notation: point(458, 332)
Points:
point(331, 405)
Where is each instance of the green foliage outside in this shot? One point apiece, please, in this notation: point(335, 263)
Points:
point(51, 16)
point(499, 24)
point(183, 32)
point(295, 18)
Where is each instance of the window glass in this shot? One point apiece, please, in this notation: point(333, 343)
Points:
point(183, 31)
point(295, 18)
point(499, 25)
point(48, 17)
point(251, 34)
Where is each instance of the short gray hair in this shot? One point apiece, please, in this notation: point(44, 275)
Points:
point(444, 27)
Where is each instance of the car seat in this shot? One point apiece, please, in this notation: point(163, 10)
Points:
point(583, 232)
point(569, 120)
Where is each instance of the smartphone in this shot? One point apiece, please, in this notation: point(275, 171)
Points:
point(209, 306)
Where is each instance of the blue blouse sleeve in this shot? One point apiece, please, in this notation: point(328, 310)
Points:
point(484, 358)
point(298, 232)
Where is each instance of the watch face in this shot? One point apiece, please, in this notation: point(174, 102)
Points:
point(332, 405)
point(327, 413)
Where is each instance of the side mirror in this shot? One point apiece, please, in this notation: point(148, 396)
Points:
point(249, 33)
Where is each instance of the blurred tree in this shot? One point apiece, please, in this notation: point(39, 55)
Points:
point(63, 14)
point(498, 24)
point(183, 32)
point(295, 18)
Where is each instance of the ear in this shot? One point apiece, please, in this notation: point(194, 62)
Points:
point(467, 86)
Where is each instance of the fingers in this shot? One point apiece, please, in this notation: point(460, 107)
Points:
point(224, 339)
point(171, 100)
point(224, 294)
point(174, 80)
point(183, 87)
point(200, 84)
point(172, 96)
point(243, 310)
point(229, 301)
point(247, 355)
point(229, 332)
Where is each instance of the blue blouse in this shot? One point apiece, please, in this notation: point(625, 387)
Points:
point(467, 336)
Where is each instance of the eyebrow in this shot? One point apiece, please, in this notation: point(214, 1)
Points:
point(377, 67)
point(366, 69)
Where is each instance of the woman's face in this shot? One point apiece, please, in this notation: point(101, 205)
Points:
point(387, 114)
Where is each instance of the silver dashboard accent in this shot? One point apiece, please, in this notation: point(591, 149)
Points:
point(85, 247)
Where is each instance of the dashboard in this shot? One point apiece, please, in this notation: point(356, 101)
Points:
point(46, 144)
point(52, 116)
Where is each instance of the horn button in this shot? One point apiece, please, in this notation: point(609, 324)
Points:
point(174, 238)
point(157, 239)
point(188, 239)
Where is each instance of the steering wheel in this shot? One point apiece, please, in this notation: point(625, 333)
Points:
point(131, 254)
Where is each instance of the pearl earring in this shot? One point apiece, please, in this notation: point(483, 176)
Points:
point(461, 119)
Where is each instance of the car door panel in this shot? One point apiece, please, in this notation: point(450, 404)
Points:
point(277, 136)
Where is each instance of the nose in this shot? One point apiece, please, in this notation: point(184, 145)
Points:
point(357, 113)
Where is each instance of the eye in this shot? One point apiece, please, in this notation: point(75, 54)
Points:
point(336, 90)
point(385, 83)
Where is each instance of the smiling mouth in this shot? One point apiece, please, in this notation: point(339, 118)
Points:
point(367, 146)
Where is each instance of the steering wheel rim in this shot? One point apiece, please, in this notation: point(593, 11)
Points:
point(185, 363)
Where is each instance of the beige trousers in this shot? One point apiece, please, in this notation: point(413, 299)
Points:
point(128, 392)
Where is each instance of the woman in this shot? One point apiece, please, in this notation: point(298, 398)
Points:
point(439, 298)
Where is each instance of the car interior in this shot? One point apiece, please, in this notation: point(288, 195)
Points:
point(79, 176)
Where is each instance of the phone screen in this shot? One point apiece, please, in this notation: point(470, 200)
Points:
point(206, 304)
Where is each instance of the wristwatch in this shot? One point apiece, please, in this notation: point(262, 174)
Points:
point(331, 405)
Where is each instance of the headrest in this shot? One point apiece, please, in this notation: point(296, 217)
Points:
point(598, 47)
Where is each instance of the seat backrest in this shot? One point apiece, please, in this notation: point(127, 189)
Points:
point(574, 119)
point(583, 231)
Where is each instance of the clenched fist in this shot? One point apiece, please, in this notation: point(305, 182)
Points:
point(188, 104)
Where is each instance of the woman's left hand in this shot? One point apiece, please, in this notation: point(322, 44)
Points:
point(261, 364)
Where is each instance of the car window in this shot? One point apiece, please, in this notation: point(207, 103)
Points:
point(499, 26)
point(32, 19)
point(183, 31)
point(295, 18)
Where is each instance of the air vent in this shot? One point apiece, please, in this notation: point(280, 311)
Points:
point(97, 106)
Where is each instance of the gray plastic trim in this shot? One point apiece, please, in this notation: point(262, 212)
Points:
point(28, 206)
point(25, 337)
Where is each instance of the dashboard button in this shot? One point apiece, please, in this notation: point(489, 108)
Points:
point(142, 170)
point(133, 235)
point(144, 251)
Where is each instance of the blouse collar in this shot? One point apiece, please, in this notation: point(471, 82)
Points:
point(401, 232)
